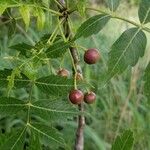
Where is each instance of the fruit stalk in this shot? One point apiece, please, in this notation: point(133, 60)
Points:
point(79, 142)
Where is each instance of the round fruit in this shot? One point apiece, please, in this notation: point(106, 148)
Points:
point(63, 73)
point(89, 97)
point(91, 56)
point(76, 96)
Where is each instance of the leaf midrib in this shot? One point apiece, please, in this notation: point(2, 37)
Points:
point(130, 42)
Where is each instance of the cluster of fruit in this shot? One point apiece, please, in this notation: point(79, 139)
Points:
point(91, 56)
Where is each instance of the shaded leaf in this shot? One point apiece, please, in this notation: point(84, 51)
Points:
point(8, 62)
point(10, 105)
point(147, 82)
point(126, 50)
point(44, 39)
point(54, 85)
point(57, 49)
point(23, 48)
point(53, 110)
point(12, 27)
point(34, 143)
point(15, 141)
point(144, 11)
point(19, 81)
point(113, 4)
point(92, 26)
point(124, 142)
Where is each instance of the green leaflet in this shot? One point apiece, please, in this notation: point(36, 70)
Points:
point(54, 85)
point(17, 81)
point(113, 4)
point(57, 49)
point(23, 48)
point(14, 141)
point(48, 132)
point(126, 51)
point(81, 4)
point(2, 8)
point(53, 110)
point(10, 106)
point(40, 18)
point(147, 82)
point(92, 26)
point(34, 143)
point(25, 13)
point(124, 142)
point(44, 39)
point(144, 11)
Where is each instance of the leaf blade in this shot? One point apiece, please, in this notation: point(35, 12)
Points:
point(123, 142)
point(113, 4)
point(57, 49)
point(54, 85)
point(126, 51)
point(92, 26)
point(144, 11)
point(147, 81)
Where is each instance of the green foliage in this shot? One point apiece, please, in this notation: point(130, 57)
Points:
point(124, 141)
point(10, 106)
point(25, 12)
point(113, 4)
point(40, 18)
point(57, 49)
point(147, 81)
point(15, 141)
point(35, 111)
point(126, 50)
point(92, 26)
point(23, 48)
point(81, 5)
point(144, 11)
point(54, 85)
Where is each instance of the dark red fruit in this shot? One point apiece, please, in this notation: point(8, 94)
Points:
point(63, 73)
point(89, 97)
point(91, 56)
point(76, 96)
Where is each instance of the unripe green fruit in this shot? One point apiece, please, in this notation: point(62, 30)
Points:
point(63, 72)
point(91, 56)
point(89, 97)
point(76, 96)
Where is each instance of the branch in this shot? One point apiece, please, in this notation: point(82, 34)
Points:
point(79, 142)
